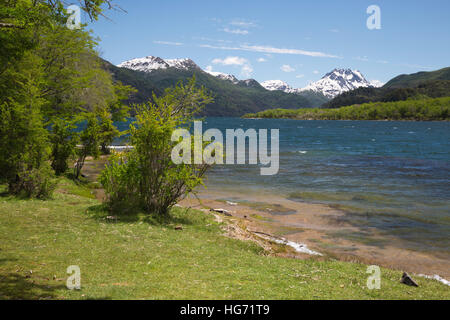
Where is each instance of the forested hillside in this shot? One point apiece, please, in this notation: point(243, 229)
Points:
point(415, 79)
point(229, 99)
point(430, 88)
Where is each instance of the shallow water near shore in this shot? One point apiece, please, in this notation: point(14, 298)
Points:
point(390, 178)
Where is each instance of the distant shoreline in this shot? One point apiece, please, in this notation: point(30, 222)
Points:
point(408, 110)
point(376, 120)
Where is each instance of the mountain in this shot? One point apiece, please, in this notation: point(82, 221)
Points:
point(250, 83)
point(415, 79)
point(421, 85)
point(273, 85)
point(223, 76)
point(151, 63)
point(231, 96)
point(338, 81)
point(330, 86)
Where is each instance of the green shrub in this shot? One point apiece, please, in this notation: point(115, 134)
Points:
point(146, 176)
point(120, 179)
point(35, 183)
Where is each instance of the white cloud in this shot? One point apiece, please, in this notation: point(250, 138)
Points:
point(242, 24)
point(236, 31)
point(376, 83)
point(246, 70)
point(262, 60)
point(266, 49)
point(287, 68)
point(169, 43)
point(300, 76)
point(365, 59)
point(211, 40)
point(334, 30)
point(229, 61)
point(316, 72)
point(209, 68)
point(286, 51)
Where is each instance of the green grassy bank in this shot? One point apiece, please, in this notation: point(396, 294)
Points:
point(139, 258)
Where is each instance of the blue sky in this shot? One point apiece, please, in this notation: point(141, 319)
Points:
point(294, 41)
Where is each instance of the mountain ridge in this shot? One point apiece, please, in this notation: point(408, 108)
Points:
point(230, 99)
point(415, 79)
point(329, 86)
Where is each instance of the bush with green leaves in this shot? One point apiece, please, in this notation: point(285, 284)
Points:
point(146, 177)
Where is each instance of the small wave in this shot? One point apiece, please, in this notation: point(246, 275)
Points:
point(437, 278)
point(299, 247)
point(302, 151)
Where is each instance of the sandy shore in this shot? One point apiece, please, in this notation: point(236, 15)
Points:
point(321, 229)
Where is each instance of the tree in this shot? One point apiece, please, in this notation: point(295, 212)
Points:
point(24, 141)
point(49, 75)
point(64, 139)
point(146, 177)
point(90, 142)
point(108, 132)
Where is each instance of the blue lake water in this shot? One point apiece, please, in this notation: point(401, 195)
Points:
point(390, 176)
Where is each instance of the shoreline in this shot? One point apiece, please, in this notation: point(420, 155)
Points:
point(314, 225)
point(374, 120)
point(310, 225)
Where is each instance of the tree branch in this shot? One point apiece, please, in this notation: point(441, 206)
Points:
point(10, 25)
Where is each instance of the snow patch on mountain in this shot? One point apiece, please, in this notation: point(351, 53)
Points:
point(223, 76)
point(146, 64)
point(182, 64)
point(151, 63)
point(273, 85)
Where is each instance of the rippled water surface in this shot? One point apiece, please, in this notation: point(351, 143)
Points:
point(391, 176)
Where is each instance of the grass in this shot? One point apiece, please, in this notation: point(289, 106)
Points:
point(137, 257)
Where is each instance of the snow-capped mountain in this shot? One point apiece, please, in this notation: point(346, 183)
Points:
point(273, 85)
point(182, 64)
point(331, 85)
point(250, 83)
point(223, 76)
point(151, 63)
point(338, 81)
point(146, 64)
